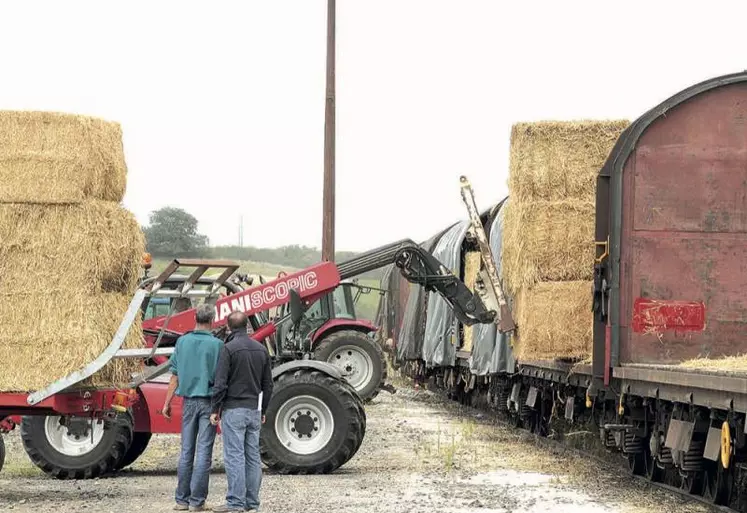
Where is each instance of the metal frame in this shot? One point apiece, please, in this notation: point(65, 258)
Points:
point(493, 291)
point(153, 289)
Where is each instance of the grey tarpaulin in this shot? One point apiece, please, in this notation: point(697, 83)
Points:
point(410, 340)
point(384, 313)
point(491, 350)
point(441, 324)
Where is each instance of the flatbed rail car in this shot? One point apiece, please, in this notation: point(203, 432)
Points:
point(669, 288)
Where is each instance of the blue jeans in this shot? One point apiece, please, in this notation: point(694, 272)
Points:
point(198, 437)
point(240, 428)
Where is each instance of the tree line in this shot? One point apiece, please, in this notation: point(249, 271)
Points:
point(174, 232)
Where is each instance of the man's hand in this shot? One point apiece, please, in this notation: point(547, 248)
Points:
point(214, 419)
point(263, 419)
point(166, 411)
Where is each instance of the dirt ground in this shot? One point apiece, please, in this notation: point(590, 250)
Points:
point(420, 454)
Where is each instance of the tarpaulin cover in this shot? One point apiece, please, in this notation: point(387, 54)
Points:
point(412, 332)
point(439, 345)
point(491, 350)
point(385, 313)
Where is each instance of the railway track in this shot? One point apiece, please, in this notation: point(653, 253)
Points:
point(557, 441)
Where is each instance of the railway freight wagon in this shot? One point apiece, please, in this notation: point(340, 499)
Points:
point(665, 385)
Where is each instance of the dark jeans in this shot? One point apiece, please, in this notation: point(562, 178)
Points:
point(240, 428)
point(198, 437)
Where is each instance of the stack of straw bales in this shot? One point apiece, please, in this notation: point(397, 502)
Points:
point(69, 253)
point(548, 245)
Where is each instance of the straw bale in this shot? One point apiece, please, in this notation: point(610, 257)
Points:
point(44, 337)
point(472, 262)
point(547, 241)
point(557, 160)
point(93, 247)
point(737, 364)
point(554, 321)
point(41, 151)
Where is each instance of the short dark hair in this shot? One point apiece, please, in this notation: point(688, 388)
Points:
point(237, 320)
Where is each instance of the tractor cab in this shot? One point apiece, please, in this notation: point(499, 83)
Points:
point(334, 310)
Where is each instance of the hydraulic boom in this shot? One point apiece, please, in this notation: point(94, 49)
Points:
point(416, 265)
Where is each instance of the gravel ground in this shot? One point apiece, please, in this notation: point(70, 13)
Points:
point(420, 454)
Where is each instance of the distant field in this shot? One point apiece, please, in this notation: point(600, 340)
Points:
point(366, 306)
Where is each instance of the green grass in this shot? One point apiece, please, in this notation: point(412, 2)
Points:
point(365, 308)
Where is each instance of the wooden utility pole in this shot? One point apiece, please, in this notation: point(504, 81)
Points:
point(328, 222)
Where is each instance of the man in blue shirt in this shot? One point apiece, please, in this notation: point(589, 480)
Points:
point(193, 364)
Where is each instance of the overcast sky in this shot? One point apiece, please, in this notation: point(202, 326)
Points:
point(222, 103)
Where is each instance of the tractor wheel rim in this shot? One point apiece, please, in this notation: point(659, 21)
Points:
point(68, 444)
point(304, 424)
point(355, 363)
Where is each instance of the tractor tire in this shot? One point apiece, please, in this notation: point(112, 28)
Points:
point(314, 424)
point(137, 448)
point(2, 452)
point(54, 451)
point(351, 350)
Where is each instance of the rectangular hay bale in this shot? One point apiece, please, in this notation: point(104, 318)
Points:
point(93, 247)
point(49, 157)
point(559, 160)
point(547, 241)
point(44, 337)
point(554, 321)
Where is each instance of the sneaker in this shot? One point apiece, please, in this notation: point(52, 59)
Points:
point(181, 507)
point(199, 508)
point(225, 508)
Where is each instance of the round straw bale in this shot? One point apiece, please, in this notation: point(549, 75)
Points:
point(557, 160)
point(554, 321)
point(52, 141)
point(46, 336)
point(93, 247)
point(547, 241)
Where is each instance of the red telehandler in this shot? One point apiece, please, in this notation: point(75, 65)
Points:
point(315, 422)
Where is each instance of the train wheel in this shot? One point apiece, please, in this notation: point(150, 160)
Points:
point(691, 483)
point(717, 484)
point(654, 472)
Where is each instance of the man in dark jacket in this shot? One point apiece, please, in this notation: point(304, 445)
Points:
point(241, 393)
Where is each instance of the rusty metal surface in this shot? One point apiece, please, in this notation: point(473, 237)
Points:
point(728, 384)
point(684, 233)
point(684, 388)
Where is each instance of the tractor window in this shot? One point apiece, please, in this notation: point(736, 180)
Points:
point(314, 311)
point(343, 303)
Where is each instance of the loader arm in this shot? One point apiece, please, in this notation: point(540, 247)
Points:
point(416, 265)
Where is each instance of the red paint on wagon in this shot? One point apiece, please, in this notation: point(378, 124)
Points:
point(657, 316)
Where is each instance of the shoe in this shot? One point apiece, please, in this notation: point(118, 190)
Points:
point(225, 508)
point(199, 508)
point(181, 507)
